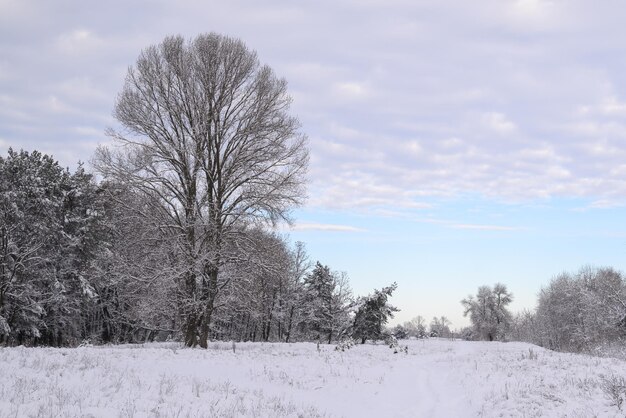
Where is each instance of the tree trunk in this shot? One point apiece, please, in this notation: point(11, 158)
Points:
point(291, 311)
point(245, 333)
point(189, 309)
point(190, 330)
point(211, 294)
point(266, 331)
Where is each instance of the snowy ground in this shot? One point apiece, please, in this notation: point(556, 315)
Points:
point(437, 378)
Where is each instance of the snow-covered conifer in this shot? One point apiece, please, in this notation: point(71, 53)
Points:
point(372, 314)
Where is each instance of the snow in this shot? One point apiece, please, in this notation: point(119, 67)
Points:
point(437, 378)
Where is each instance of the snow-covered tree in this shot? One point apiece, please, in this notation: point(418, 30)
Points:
point(488, 311)
point(295, 290)
point(440, 327)
point(48, 233)
point(400, 332)
point(326, 299)
point(30, 206)
point(254, 289)
point(577, 311)
point(373, 312)
point(206, 133)
point(524, 327)
point(416, 327)
point(342, 305)
point(131, 275)
point(267, 298)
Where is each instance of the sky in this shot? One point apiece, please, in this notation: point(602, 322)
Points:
point(453, 143)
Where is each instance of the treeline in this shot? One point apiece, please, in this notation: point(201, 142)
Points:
point(576, 312)
point(579, 312)
point(488, 312)
point(418, 328)
point(81, 260)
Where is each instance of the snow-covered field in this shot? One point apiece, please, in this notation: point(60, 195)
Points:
point(437, 378)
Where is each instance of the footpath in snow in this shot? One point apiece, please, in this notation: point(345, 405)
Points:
point(437, 378)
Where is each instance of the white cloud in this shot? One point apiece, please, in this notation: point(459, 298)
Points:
point(498, 122)
point(543, 15)
point(344, 132)
point(54, 104)
point(78, 41)
point(541, 152)
point(603, 148)
point(10, 110)
point(350, 90)
point(608, 106)
point(304, 226)
point(612, 106)
point(598, 128)
point(606, 204)
point(484, 227)
point(414, 147)
point(83, 89)
point(88, 131)
point(531, 8)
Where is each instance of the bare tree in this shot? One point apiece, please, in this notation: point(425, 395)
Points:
point(207, 132)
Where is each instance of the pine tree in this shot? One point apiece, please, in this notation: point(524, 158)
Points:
point(48, 232)
point(326, 300)
point(373, 313)
point(318, 288)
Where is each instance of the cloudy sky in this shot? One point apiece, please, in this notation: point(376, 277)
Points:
point(453, 143)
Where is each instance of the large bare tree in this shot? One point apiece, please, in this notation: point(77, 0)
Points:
point(206, 133)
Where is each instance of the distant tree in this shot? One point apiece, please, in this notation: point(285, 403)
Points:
point(400, 332)
point(524, 327)
point(372, 314)
point(488, 311)
point(467, 333)
point(416, 327)
point(440, 327)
